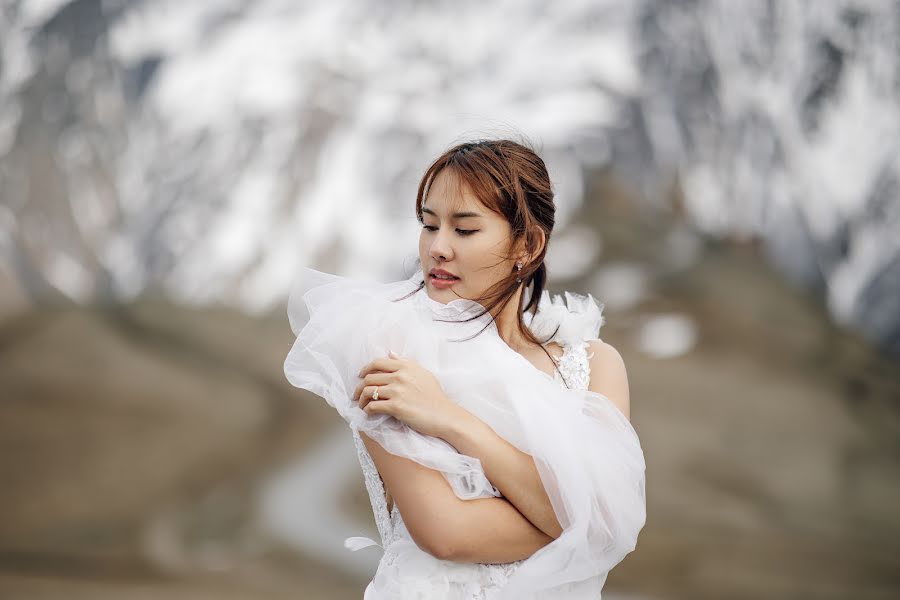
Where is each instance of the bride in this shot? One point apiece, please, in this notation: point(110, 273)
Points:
point(492, 425)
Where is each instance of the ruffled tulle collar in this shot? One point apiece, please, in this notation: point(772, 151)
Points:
point(573, 317)
point(459, 309)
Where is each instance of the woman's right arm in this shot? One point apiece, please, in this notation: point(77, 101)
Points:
point(483, 530)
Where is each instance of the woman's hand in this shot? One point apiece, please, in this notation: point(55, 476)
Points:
point(408, 392)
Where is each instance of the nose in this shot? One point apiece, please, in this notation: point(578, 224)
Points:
point(440, 246)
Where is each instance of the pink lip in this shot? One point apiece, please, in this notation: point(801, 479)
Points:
point(441, 283)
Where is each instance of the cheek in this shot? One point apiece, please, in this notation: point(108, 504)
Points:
point(483, 258)
point(487, 249)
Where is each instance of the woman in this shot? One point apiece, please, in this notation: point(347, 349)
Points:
point(500, 464)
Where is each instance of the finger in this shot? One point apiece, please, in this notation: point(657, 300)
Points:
point(388, 365)
point(366, 396)
point(377, 378)
point(357, 393)
point(380, 407)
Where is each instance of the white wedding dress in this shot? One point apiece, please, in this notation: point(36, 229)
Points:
point(596, 482)
point(482, 581)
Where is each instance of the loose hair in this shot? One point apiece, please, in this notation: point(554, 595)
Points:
point(510, 179)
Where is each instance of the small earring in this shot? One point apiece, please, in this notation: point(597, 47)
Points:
point(519, 267)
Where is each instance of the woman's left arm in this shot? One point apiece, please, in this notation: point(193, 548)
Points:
point(512, 471)
point(412, 395)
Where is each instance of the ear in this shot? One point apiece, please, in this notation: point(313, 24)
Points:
point(542, 242)
point(526, 257)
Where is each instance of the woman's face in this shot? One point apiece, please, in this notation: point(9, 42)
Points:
point(462, 237)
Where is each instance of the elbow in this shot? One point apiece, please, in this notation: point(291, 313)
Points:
point(452, 549)
point(447, 543)
point(439, 542)
point(441, 547)
point(444, 550)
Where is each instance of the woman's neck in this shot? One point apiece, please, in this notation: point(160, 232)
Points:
point(507, 324)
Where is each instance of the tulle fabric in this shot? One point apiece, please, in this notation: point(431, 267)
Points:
point(587, 453)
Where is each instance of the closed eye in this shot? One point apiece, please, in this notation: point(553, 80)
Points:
point(460, 231)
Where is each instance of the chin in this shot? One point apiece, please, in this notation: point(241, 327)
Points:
point(442, 294)
point(436, 295)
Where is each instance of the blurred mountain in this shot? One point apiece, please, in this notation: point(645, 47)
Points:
point(209, 149)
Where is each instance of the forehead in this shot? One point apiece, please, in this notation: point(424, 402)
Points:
point(449, 195)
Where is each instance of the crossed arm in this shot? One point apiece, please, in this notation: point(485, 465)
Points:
point(484, 530)
point(487, 530)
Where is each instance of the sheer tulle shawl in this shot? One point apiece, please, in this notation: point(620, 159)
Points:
point(587, 453)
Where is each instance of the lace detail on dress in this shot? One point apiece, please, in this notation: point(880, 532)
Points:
point(375, 487)
point(497, 574)
point(575, 366)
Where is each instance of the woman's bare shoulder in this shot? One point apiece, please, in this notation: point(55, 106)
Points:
point(609, 376)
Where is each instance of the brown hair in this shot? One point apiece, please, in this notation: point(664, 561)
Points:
point(510, 179)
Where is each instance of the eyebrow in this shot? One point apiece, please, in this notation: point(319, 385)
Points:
point(458, 215)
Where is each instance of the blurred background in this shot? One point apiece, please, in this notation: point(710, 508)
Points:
point(728, 184)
